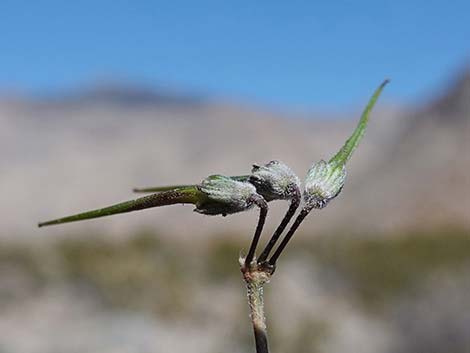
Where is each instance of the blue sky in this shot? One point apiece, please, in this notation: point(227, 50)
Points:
point(290, 54)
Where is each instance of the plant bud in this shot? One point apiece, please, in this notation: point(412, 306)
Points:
point(275, 181)
point(323, 183)
point(226, 196)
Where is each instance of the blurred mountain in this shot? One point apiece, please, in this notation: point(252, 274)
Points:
point(454, 103)
point(120, 95)
point(126, 95)
point(89, 149)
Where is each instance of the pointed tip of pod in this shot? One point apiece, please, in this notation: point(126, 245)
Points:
point(345, 153)
point(44, 224)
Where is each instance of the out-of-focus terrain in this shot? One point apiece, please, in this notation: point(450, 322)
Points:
point(87, 150)
point(384, 268)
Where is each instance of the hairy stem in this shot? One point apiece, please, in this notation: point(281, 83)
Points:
point(255, 278)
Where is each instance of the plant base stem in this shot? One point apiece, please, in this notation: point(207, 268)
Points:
point(256, 276)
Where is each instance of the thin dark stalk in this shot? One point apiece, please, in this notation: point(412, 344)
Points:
point(305, 211)
point(295, 202)
point(262, 204)
point(261, 340)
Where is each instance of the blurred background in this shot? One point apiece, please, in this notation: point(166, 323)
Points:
point(99, 97)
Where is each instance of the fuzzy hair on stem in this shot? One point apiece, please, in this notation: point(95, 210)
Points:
point(256, 277)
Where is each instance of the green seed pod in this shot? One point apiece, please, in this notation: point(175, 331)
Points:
point(325, 180)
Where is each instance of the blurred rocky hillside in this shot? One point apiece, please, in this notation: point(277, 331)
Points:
point(88, 149)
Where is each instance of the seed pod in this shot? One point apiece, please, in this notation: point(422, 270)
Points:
point(325, 180)
point(215, 195)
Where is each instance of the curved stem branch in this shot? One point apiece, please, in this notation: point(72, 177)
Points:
point(305, 211)
point(295, 202)
point(263, 205)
